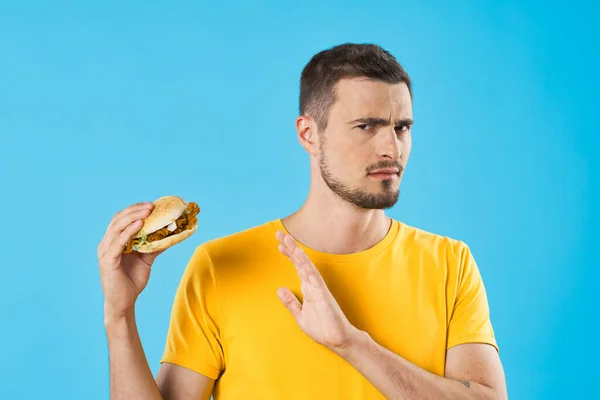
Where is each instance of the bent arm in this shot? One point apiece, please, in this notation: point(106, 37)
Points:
point(473, 371)
point(130, 374)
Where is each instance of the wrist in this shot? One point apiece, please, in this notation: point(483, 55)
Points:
point(116, 318)
point(356, 340)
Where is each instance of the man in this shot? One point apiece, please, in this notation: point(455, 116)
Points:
point(337, 300)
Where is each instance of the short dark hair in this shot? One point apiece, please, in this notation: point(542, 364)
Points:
point(348, 60)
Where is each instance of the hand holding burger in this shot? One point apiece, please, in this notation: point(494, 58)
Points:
point(131, 243)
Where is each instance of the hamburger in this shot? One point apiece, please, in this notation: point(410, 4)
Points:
point(171, 221)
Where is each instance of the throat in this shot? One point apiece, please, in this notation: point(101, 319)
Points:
point(336, 237)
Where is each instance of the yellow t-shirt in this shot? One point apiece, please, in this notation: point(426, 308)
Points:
point(415, 293)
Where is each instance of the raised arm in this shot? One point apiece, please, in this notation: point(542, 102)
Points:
point(123, 277)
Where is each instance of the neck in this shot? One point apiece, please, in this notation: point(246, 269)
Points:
point(329, 224)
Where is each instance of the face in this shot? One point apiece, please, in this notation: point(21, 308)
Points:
point(365, 147)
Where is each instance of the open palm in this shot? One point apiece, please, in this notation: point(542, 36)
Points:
point(319, 315)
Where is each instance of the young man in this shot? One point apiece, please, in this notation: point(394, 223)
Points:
point(337, 300)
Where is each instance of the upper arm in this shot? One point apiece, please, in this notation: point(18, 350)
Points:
point(479, 363)
point(193, 355)
point(179, 383)
point(193, 338)
point(472, 351)
point(470, 320)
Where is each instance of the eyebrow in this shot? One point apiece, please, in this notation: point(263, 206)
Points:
point(382, 121)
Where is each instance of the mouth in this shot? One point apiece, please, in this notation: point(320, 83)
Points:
point(385, 174)
point(388, 171)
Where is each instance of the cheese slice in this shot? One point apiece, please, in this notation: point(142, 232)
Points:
point(172, 226)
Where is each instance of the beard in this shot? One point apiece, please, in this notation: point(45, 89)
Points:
point(362, 198)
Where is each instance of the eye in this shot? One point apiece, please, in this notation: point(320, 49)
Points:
point(402, 128)
point(364, 127)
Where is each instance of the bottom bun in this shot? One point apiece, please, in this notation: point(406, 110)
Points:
point(167, 242)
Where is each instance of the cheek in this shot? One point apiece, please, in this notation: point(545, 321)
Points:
point(356, 157)
point(346, 161)
point(343, 151)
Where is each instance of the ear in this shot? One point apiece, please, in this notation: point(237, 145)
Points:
point(307, 134)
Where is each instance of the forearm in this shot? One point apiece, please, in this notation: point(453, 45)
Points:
point(130, 374)
point(397, 378)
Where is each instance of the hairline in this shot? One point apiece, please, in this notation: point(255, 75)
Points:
point(334, 95)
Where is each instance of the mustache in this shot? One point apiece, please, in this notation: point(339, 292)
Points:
point(385, 164)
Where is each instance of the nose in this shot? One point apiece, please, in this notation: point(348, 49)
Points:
point(388, 145)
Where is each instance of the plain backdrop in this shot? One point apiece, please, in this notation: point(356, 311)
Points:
point(104, 104)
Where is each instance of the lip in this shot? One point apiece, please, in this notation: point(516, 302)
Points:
point(385, 171)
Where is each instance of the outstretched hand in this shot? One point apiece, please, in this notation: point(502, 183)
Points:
point(319, 315)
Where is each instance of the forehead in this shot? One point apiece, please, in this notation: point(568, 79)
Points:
point(362, 97)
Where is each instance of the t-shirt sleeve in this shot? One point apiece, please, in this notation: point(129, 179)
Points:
point(193, 338)
point(470, 318)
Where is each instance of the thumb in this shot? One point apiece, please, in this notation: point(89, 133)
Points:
point(289, 301)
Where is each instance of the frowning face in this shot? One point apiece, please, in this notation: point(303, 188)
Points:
point(367, 142)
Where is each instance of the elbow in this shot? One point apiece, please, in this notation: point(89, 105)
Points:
point(494, 393)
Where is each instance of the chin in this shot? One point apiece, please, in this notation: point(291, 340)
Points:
point(387, 186)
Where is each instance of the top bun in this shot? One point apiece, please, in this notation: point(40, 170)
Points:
point(166, 210)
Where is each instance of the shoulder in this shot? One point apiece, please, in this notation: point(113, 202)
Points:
point(445, 249)
point(240, 244)
point(424, 238)
point(254, 235)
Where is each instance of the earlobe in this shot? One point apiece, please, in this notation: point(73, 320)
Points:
point(306, 134)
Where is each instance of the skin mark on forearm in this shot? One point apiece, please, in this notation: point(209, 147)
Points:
point(466, 383)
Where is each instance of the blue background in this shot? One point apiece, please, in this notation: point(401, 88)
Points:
point(109, 103)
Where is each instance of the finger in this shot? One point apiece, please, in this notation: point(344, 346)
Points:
point(307, 270)
point(301, 274)
point(109, 237)
point(289, 242)
point(128, 210)
point(125, 221)
point(286, 240)
point(291, 249)
point(285, 251)
point(311, 288)
point(315, 279)
point(291, 254)
point(116, 248)
point(280, 235)
point(290, 301)
point(301, 260)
